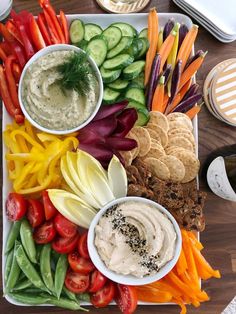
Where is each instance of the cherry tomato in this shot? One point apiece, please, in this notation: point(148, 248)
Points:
point(44, 233)
point(83, 246)
point(80, 264)
point(126, 298)
point(76, 282)
point(65, 227)
point(49, 208)
point(97, 281)
point(104, 296)
point(65, 245)
point(35, 213)
point(15, 206)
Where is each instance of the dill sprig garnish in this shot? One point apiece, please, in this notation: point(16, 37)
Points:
point(76, 73)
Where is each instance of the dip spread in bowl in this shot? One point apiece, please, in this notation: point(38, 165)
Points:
point(137, 241)
point(47, 103)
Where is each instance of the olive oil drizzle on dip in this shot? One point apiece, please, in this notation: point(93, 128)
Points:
point(48, 103)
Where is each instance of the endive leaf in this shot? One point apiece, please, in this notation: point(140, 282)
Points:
point(117, 178)
point(88, 160)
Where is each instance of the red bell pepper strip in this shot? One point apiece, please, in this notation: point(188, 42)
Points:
point(43, 29)
point(29, 49)
point(11, 27)
point(36, 35)
point(64, 26)
point(3, 55)
point(19, 118)
point(6, 47)
point(11, 81)
point(52, 31)
point(6, 97)
point(16, 71)
point(5, 33)
point(19, 53)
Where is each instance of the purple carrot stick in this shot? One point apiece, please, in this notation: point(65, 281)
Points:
point(187, 104)
point(183, 30)
point(193, 58)
point(166, 73)
point(168, 28)
point(175, 80)
point(192, 91)
point(153, 79)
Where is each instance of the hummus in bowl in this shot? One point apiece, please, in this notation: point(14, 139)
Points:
point(134, 241)
point(49, 106)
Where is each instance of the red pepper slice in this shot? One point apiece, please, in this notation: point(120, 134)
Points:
point(16, 71)
point(29, 49)
point(64, 26)
point(11, 27)
point(3, 55)
point(19, 118)
point(36, 35)
point(11, 80)
point(54, 37)
point(43, 29)
point(6, 95)
point(5, 33)
point(6, 48)
point(19, 53)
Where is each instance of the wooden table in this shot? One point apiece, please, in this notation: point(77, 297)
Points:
point(219, 238)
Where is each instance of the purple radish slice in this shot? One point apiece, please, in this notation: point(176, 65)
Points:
point(108, 110)
point(125, 121)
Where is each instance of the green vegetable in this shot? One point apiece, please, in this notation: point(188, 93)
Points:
point(14, 272)
point(60, 274)
point(69, 294)
point(39, 248)
point(23, 285)
point(91, 30)
point(13, 235)
point(97, 49)
point(67, 304)
point(28, 269)
point(8, 265)
point(32, 299)
point(76, 31)
point(76, 72)
point(83, 297)
point(27, 240)
point(45, 267)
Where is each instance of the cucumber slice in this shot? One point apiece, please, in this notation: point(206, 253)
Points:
point(139, 44)
point(138, 81)
point(76, 31)
point(132, 50)
point(126, 29)
point(113, 36)
point(135, 104)
point(133, 70)
point(143, 117)
point(110, 96)
point(97, 49)
point(136, 94)
point(91, 30)
point(118, 62)
point(109, 76)
point(143, 33)
point(145, 44)
point(118, 85)
point(82, 44)
point(124, 43)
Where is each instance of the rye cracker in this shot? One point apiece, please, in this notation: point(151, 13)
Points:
point(158, 168)
point(175, 166)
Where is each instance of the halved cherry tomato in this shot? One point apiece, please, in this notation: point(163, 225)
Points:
point(80, 264)
point(76, 282)
point(65, 227)
point(83, 246)
point(65, 245)
point(44, 233)
point(15, 206)
point(126, 298)
point(104, 296)
point(35, 213)
point(97, 281)
point(49, 208)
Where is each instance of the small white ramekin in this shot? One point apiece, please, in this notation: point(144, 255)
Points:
point(130, 279)
point(44, 52)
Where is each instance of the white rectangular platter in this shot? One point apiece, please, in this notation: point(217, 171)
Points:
point(139, 21)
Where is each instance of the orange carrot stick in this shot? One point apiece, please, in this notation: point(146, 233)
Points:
point(187, 44)
point(191, 70)
point(158, 98)
point(160, 40)
point(166, 48)
point(195, 241)
point(191, 113)
point(181, 304)
point(147, 294)
point(179, 96)
point(181, 265)
point(153, 39)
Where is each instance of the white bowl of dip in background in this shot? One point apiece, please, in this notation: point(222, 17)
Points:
point(131, 279)
point(44, 52)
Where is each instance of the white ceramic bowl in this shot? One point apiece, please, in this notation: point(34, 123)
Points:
point(44, 52)
point(130, 279)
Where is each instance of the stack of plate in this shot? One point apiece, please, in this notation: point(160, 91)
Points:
point(220, 91)
point(218, 17)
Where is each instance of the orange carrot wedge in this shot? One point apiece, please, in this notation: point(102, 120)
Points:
point(167, 47)
point(191, 70)
point(195, 241)
point(187, 44)
point(158, 98)
point(181, 265)
point(193, 112)
point(153, 39)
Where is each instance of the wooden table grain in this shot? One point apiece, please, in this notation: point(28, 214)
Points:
point(219, 238)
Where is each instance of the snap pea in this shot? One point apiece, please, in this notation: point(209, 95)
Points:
point(22, 276)
point(27, 240)
point(67, 304)
point(23, 285)
point(39, 248)
point(8, 265)
point(83, 297)
point(28, 269)
point(13, 235)
point(33, 299)
point(69, 294)
point(45, 267)
point(14, 272)
point(60, 274)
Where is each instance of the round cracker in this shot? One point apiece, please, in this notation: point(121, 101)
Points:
point(182, 132)
point(181, 118)
point(153, 134)
point(179, 124)
point(175, 131)
point(158, 168)
point(127, 156)
point(171, 149)
point(144, 140)
point(191, 164)
point(159, 119)
point(175, 166)
point(153, 141)
point(135, 150)
point(181, 141)
point(156, 151)
point(161, 133)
